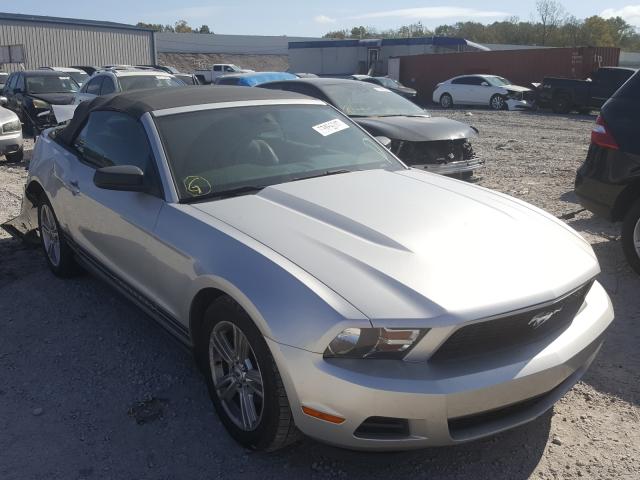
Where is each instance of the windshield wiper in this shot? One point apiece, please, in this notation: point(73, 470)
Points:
point(232, 192)
point(324, 174)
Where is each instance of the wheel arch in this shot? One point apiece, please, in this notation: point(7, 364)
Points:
point(625, 201)
point(34, 192)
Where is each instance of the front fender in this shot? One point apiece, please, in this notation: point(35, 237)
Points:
point(287, 304)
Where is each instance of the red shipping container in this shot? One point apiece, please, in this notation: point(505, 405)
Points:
point(522, 67)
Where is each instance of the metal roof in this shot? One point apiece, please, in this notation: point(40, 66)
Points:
point(376, 42)
point(19, 17)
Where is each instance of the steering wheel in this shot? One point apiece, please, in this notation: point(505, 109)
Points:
point(267, 153)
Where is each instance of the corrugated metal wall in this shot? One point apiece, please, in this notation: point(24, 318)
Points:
point(53, 44)
point(424, 72)
point(168, 42)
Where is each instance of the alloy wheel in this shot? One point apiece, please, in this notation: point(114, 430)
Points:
point(497, 102)
point(236, 375)
point(50, 236)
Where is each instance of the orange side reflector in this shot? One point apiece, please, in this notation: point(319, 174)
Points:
point(322, 416)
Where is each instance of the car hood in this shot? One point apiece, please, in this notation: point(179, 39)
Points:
point(417, 129)
point(54, 98)
point(412, 248)
point(516, 88)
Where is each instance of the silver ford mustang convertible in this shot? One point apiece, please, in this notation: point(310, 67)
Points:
point(324, 287)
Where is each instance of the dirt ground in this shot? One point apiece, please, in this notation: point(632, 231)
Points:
point(76, 360)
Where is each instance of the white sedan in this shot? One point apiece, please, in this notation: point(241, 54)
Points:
point(496, 92)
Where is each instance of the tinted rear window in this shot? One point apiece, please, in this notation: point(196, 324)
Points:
point(631, 89)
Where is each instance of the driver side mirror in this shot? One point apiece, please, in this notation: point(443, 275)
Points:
point(3, 101)
point(484, 84)
point(124, 178)
point(384, 141)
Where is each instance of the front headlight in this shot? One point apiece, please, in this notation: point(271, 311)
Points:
point(40, 104)
point(13, 126)
point(389, 343)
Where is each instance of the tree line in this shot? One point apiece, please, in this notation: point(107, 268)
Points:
point(181, 26)
point(550, 26)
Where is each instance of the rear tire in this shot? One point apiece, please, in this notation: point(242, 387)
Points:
point(15, 157)
point(631, 236)
point(272, 427)
point(561, 103)
point(57, 252)
point(446, 101)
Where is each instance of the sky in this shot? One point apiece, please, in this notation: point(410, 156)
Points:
point(310, 18)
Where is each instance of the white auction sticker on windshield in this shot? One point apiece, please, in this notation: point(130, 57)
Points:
point(330, 127)
point(382, 89)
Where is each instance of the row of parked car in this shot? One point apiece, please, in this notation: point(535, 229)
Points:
point(430, 143)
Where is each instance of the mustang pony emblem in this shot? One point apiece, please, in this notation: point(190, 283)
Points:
point(542, 318)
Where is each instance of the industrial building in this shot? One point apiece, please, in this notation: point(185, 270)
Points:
point(346, 57)
point(170, 42)
point(31, 41)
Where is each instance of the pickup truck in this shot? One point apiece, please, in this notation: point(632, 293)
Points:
point(563, 95)
point(207, 76)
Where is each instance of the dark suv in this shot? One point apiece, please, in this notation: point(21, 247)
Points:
point(32, 94)
point(608, 183)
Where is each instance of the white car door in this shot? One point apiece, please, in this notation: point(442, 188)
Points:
point(484, 91)
point(476, 91)
point(114, 227)
point(459, 90)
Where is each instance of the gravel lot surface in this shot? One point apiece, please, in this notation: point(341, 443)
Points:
point(91, 388)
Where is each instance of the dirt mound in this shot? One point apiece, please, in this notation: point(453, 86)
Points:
point(188, 62)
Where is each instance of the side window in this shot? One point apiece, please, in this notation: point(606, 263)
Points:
point(113, 138)
point(477, 81)
point(11, 83)
point(93, 87)
point(228, 69)
point(217, 68)
point(461, 81)
point(108, 86)
point(19, 82)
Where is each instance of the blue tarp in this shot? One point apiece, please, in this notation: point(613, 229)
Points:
point(253, 79)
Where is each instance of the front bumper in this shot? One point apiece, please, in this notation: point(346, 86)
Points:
point(10, 142)
point(443, 405)
point(451, 168)
point(519, 104)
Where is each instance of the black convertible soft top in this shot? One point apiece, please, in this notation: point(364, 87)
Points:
point(139, 102)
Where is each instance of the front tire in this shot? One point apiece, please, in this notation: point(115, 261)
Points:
point(243, 379)
point(497, 102)
point(631, 236)
point(446, 101)
point(57, 252)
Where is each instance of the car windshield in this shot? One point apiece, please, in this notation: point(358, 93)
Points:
point(62, 83)
point(388, 82)
point(79, 77)
point(497, 81)
point(139, 82)
point(226, 151)
point(361, 99)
